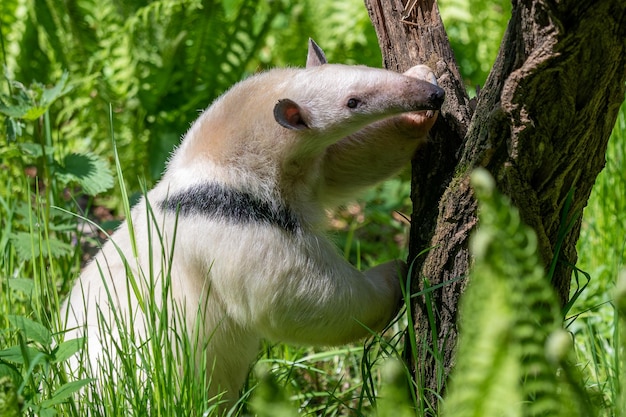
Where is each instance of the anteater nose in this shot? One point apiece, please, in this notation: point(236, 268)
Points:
point(437, 96)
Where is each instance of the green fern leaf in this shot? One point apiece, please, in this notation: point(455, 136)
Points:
point(507, 315)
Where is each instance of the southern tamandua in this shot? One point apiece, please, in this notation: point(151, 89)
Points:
point(237, 219)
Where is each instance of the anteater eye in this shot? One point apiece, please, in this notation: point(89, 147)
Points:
point(353, 103)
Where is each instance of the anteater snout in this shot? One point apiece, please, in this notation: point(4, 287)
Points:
point(436, 97)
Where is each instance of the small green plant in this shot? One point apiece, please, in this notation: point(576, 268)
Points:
point(32, 353)
point(36, 147)
point(55, 174)
point(36, 358)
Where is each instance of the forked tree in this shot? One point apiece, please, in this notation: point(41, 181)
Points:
point(540, 125)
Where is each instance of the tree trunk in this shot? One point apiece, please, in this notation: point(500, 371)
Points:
point(540, 126)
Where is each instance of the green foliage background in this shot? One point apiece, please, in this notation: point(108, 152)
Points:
point(160, 63)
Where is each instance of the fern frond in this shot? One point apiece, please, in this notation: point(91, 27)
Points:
point(508, 314)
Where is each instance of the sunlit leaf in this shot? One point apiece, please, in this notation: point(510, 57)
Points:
point(50, 95)
point(29, 246)
point(31, 329)
point(34, 149)
point(67, 349)
point(16, 355)
point(231, 7)
point(25, 285)
point(64, 392)
point(31, 103)
point(88, 170)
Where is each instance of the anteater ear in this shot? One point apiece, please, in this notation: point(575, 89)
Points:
point(290, 115)
point(316, 56)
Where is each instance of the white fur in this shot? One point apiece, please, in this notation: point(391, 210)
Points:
point(252, 280)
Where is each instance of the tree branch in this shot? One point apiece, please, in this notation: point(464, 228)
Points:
point(541, 126)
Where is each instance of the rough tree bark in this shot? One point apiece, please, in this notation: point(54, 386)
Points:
point(540, 126)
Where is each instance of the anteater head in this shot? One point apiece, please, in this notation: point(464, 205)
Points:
point(285, 111)
point(288, 117)
point(331, 100)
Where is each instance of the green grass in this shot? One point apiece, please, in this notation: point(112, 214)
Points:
point(602, 255)
point(41, 258)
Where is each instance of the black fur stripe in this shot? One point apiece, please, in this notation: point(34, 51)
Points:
point(225, 203)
